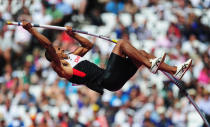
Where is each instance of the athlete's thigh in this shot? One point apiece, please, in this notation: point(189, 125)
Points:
point(119, 70)
point(117, 49)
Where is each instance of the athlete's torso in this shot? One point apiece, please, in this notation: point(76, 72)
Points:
point(78, 63)
point(73, 60)
point(93, 73)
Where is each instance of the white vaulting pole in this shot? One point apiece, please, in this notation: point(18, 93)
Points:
point(178, 83)
point(38, 25)
point(63, 29)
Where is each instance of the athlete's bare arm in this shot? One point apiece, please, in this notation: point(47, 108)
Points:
point(86, 45)
point(43, 41)
point(60, 66)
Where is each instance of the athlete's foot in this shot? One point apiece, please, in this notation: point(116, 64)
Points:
point(181, 69)
point(156, 62)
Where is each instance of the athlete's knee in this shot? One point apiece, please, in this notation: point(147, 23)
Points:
point(122, 43)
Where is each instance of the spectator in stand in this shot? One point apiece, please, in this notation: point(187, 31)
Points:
point(55, 13)
point(164, 121)
point(130, 7)
point(96, 18)
point(115, 6)
point(64, 7)
point(174, 34)
point(143, 33)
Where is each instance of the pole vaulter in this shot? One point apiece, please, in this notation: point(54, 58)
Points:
point(78, 73)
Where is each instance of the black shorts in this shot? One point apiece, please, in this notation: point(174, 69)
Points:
point(119, 70)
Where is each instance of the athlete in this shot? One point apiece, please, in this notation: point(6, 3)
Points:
point(123, 63)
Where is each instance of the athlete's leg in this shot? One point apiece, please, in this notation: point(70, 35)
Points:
point(118, 67)
point(177, 71)
point(137, 56)
point(124, 48)
point(163, 66)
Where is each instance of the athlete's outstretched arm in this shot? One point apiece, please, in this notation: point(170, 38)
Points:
point(86, 45)
point(43, 41)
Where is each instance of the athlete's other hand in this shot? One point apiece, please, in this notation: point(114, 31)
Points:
point(26, 25)
point(69, 30)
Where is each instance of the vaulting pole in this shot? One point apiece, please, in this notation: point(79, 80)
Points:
point(63, 29)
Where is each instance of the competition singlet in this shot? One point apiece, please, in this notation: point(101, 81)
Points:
point(73, 60)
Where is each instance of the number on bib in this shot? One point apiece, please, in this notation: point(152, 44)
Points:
point(77, 59)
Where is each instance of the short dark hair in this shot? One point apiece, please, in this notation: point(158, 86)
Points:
point(47, 55)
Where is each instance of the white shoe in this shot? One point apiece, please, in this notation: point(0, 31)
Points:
point(181, 69)
point(156, 62)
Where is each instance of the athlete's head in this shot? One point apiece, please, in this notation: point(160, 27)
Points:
point(59, 51)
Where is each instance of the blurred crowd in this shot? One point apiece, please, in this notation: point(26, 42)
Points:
point(32, 95)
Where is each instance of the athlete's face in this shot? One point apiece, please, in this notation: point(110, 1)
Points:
point(60, 52)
